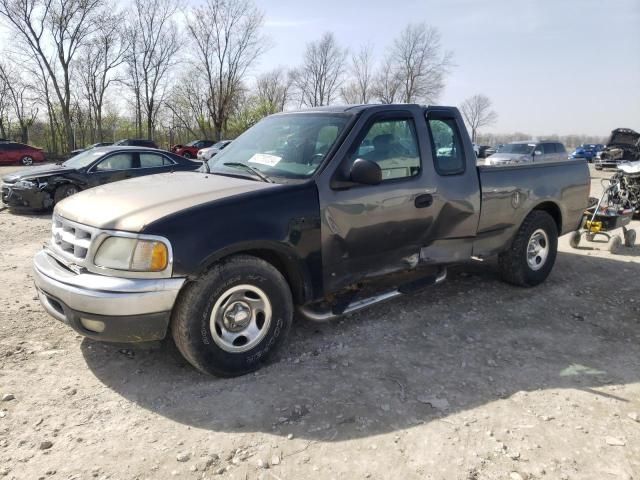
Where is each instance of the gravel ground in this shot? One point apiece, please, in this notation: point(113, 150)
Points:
point(473, 379)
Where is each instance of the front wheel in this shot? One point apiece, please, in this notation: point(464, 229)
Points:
point(530, 258)
point(26, 160)
point(64, 191)
point(232, 319)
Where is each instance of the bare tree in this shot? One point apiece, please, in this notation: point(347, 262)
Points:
point(420, 63)
point(188, 105)
point(274, 90)
point(4, 108)
point(20, 96)
point(477, 113)
point(360, 88)
point(153, 38)
point(54, 30)
point(319, 78)
point(387, 86)
point(102, 56)
point(226, 34)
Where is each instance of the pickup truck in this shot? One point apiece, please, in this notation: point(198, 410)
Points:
point(321, 212)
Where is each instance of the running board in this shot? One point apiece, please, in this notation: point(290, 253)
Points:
point(361, 304)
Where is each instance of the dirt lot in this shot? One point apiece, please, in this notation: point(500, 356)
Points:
point(473, 379)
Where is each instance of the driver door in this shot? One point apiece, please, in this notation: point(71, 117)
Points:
point(117, 166)
point(372, 230)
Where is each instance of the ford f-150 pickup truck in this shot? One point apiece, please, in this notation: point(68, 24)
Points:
point(323, 212)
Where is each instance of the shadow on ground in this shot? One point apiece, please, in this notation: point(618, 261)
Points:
point(448, 349)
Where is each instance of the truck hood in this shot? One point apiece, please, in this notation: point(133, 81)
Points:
point(36, 172)
point(624, 136)
point(132, 204)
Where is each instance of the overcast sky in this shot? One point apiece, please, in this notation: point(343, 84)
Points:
point(549, 66)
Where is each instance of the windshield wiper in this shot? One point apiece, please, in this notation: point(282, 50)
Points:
point(249, 168)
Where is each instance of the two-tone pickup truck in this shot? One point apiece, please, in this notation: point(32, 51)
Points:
point(322, 212)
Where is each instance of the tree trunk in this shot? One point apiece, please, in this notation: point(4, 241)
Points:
point(24, 133)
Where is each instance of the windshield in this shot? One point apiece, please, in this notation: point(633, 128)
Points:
point(519, 148)
point(85, 158)
point(289, 146)
point(191, 144)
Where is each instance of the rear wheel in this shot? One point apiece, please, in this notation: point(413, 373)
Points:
point(232, 319)
point(187, 155)
point(530, 258)
point(26, 160)
point(64, 191)
point(629, 238)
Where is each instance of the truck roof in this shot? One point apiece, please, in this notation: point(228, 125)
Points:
point(353, 109)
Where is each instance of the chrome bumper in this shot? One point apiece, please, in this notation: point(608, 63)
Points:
point(130, 309)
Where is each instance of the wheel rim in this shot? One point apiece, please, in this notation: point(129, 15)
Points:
point(27, 161)
point(240, 318)
point(187, 155)
point(537, 249)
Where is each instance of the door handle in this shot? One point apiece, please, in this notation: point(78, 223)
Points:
point(424, 200)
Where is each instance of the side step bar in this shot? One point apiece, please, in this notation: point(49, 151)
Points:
point(357, 305)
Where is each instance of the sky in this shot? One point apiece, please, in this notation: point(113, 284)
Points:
point(563, 66)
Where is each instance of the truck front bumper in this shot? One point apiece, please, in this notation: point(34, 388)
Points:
point(105, 308)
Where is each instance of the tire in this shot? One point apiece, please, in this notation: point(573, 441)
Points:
point(236, 286)
point(187, 155)
point(615, 245)
point(598, 168)
point(574, 239)
point(26, 161)
point(64, 191)
point(522, 264)
point(629, 238)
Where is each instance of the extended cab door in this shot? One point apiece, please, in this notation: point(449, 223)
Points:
point(373, 230)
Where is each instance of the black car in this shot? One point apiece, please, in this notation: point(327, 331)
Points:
point(43, 186)
point(136, 142)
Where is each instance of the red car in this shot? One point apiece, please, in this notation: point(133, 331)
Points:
point(190, 150)
point(11, 152)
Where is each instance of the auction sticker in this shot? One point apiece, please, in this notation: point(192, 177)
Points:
point(265, 159)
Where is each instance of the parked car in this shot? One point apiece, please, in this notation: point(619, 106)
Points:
point(482, 151)
point(41, 187)
point(207, 153)
point(587, 151)
point(528, 152)
point(623, 146)
point(298, 213)
point(136, 142)
point(12, 152)
point(190, 150)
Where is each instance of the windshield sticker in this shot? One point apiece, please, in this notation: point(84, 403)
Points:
point(265, 159)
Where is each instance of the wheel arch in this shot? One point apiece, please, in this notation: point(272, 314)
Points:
point(552, 209)
point(281, 257)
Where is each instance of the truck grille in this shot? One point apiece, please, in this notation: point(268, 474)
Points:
point(70, 239)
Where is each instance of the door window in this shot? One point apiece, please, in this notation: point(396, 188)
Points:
point(540, 148)
point(393, 145)
point(549, 148)
point(446, 145)
point(119, 161)
point(153, 160)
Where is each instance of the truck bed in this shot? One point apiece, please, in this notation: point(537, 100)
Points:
point(509, 192)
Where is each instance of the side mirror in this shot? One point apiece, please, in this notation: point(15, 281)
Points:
point(537, 153)
point(366, 172)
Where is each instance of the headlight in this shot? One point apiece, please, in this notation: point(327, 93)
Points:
point(137, 255)
point(25, 184)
